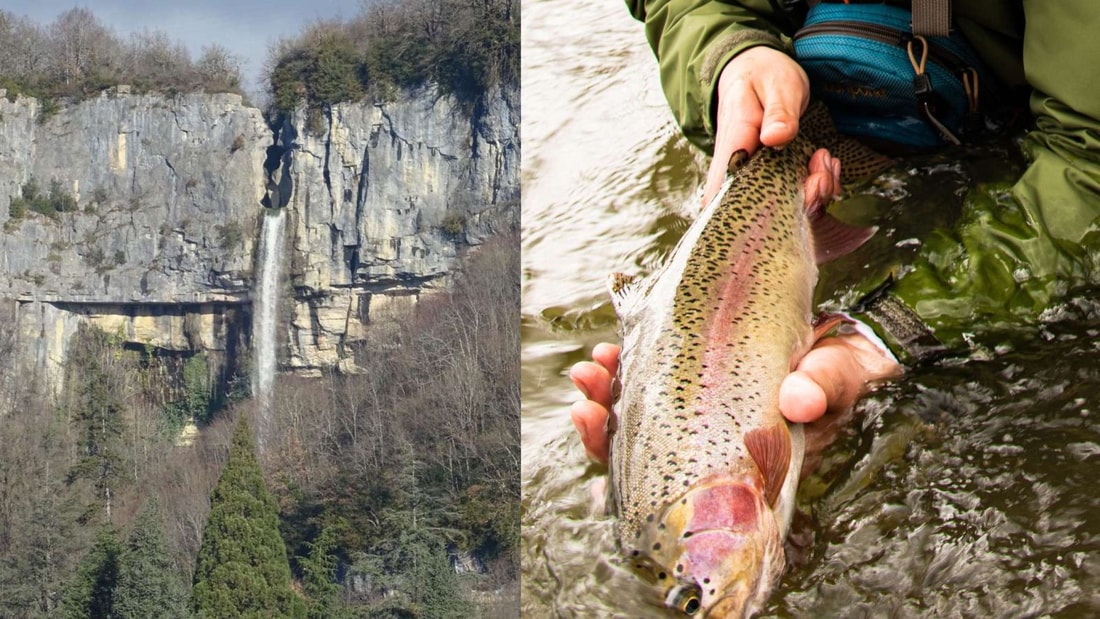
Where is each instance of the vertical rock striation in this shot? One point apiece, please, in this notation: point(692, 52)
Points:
point(162, 203)
point(384, 198)
point(165, 194)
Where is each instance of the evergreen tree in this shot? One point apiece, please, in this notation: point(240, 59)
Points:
point(242, 568)
point(97, 411)
point(438, 587)
point(90, 595)
point(413, 562)
point(319, 574)
point(148, 581)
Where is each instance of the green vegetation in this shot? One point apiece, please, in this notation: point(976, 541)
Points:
point(242, 569)
point(50, 204)
point(91, 594)
point(230, 236)
point(454, 224)
point(131, 581)
point(416, 455)
point(96, 408)
point(463, 47)
point(319, 574)
point(371, 483)
point(196, 402)
point(147, 574)
point(76, 57)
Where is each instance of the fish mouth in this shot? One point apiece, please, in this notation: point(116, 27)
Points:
point(691, 599)
point(714, 552)
point(715, 573)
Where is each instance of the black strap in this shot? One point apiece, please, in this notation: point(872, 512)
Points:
point(908, 331)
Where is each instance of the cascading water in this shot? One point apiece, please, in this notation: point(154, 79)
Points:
point(265, 317)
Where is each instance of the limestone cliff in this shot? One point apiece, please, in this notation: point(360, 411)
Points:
point(383, 197)
point(157, 236)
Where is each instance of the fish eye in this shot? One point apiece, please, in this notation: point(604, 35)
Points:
point(688, 600)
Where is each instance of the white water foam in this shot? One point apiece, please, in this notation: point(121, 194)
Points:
point(265, 316)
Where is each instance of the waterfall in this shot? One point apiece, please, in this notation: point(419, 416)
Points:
point(265, 317)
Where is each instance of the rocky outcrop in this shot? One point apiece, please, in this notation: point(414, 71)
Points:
point(166, 194)
point(383, 197)
point(162, 198)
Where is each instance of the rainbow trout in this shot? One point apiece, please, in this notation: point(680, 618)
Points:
point(704, 468)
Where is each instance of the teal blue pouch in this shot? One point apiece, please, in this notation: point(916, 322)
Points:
point(881, 82)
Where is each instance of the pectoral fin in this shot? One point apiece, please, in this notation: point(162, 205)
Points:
point(826, 322)
point(770, 448)
point(834, 238)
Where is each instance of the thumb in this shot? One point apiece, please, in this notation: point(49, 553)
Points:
point(780, 124)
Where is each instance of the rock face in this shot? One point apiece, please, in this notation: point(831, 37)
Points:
point(162, 200)
point(382, 197)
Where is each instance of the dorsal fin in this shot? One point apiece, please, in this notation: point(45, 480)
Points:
point(623, 289)
point(770, 448)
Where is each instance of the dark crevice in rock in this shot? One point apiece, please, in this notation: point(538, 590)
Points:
point(280, 184)
point(326, 173)
point(352, 257)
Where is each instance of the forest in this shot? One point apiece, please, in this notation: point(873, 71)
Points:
point(375, 487)
point(465, 48)
point(136, 482)
point(77, 56)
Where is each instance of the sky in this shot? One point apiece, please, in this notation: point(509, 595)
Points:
point(244, 27)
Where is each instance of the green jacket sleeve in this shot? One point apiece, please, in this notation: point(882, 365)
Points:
point(1008, 260)
point(693, 41)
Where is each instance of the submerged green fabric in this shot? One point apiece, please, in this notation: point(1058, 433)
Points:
point(1006, 262)
point(1007, 259)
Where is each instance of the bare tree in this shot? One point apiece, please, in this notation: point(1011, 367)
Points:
point(83, 48)
point(218, 69)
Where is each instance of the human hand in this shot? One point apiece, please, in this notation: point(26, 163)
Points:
point(830, 378)
point(762, 93)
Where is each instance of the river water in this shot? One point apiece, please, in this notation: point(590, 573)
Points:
point(968, 489)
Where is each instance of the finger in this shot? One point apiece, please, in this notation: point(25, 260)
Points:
point(801, 398)
point(716, 175)
point(607, 355)
point(590, 419)
point(593, 381)
point(782, 106)
point(738, 128)
point(829, 377)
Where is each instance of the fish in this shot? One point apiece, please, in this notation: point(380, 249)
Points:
point(703, 467)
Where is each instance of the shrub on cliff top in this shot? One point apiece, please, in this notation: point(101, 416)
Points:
point(76, 56)
point(464, 48)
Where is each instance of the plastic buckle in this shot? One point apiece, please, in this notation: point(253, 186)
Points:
point(922, 86)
